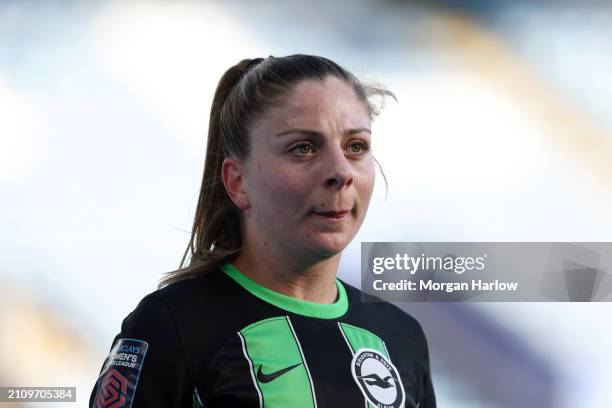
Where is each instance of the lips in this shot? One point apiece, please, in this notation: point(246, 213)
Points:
point(333, 214)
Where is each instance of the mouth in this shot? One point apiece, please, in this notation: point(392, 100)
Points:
point(334, 215)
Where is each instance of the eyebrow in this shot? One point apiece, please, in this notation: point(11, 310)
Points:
point(310, 132)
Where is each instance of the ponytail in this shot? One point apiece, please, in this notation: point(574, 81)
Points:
point(215, 236)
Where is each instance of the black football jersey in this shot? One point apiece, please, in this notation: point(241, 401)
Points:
point(222, 340)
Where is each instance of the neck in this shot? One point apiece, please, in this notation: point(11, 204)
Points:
point(310, 281)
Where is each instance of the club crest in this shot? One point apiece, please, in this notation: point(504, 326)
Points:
point(377, 378)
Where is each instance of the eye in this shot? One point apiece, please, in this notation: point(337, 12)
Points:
point(358, 147)
point(302, 149)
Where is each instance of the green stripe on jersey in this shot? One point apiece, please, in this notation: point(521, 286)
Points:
point(277, 362)
point(196, 403)
point(288, 303)
point(362, 338)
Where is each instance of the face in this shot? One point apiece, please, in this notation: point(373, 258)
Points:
point(310, 175)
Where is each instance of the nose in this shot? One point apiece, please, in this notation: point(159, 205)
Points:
point(340, 170)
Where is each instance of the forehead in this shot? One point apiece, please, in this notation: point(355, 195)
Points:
point(316, 104)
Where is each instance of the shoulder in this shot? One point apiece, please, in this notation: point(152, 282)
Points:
point(188, 297)
point(176, 320)
point(188, 291)
point(177, 309)
point(156, 349)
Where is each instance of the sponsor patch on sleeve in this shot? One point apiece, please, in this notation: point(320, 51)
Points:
point(119, 378)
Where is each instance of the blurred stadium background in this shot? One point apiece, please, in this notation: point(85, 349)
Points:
point(503, 132)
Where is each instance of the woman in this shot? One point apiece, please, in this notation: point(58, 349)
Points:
point(259, 317)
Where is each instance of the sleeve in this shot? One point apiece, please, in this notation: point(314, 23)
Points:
point(147, 365)
point(428, 398)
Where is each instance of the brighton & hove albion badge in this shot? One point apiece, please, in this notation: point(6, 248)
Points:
point(378, 379)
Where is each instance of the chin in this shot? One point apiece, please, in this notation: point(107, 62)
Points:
point(330, 246)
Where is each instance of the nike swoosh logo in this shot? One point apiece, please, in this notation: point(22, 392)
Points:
point(266, 378)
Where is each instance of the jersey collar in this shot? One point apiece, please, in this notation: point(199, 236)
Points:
point(288, 303)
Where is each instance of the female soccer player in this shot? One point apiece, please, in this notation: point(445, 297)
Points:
point(258, 318)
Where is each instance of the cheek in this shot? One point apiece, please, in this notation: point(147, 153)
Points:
point(282, 192)
point(366, 180)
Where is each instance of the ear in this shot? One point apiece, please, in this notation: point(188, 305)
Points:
point(233, 175)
